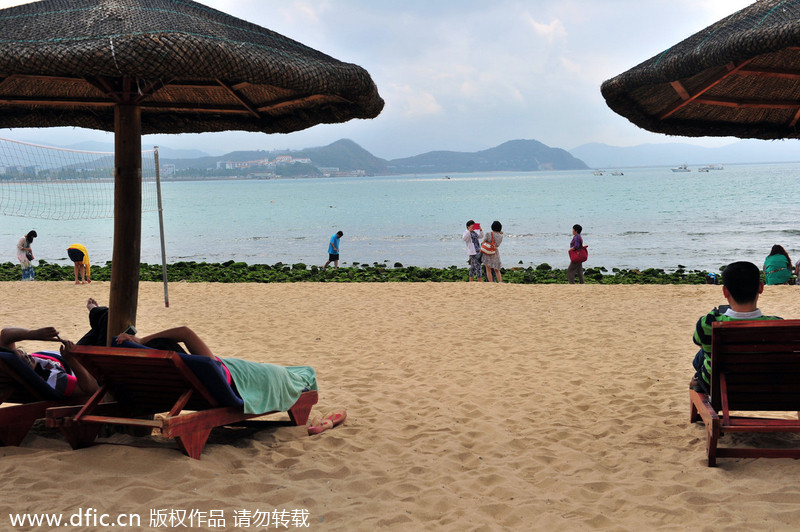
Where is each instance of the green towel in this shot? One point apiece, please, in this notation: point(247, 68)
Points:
point(267, 387)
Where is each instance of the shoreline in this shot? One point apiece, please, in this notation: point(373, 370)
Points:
point(240, 272)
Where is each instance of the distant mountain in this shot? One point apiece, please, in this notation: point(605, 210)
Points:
point(343, 154)
point(744, 151)
point(515, 155)
point(346, 155)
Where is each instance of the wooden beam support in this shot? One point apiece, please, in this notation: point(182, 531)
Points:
point(680, 89)
point(731, 69)
point(793, 123)
point(124, 292)
point(55, 103)
point(293, 101)
point(241, 99)
point(770, 73)
point(748, 104)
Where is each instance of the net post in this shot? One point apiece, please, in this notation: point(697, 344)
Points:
point(161, 225)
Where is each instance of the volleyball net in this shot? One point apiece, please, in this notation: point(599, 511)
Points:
point(52, 183)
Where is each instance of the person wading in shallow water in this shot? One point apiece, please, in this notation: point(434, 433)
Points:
point(333, 250)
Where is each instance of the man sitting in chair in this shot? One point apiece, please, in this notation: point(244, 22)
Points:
point(63, 381)
point(741, 286)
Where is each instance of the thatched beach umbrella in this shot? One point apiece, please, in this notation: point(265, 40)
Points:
point(162, 66)
point(739, 77)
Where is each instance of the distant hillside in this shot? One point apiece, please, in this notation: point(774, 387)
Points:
point(515, 155)
point(598, 155)
point(346, 155)
point(343, 154)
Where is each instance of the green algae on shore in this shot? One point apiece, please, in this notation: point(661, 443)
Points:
point(240, 272)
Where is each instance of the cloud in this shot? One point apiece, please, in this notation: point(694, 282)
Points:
point(551, 32)
point(410, 103)
point(469, 74)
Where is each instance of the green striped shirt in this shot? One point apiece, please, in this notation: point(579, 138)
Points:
point(702, 336)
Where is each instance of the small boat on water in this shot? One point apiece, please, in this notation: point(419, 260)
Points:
point(597, 172)
point(617, 172)
point(710, 167)
point(682, 168)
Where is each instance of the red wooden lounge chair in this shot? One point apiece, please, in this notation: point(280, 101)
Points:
point(755, 368)
point(147, 382)
point(30, 396)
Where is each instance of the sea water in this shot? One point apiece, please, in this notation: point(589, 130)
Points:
point(648, 217)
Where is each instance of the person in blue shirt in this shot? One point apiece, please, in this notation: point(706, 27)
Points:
point(333, 250)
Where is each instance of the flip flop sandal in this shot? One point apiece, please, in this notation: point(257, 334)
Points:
point(316, 429)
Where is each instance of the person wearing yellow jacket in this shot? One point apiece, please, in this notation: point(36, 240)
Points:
point(78, 254)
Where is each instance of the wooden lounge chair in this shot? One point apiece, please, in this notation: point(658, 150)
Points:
point(30, 396)
point(755, 368)
point(182, 396)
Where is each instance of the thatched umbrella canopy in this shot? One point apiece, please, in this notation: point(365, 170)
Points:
point(162, 66)
point(739, 77)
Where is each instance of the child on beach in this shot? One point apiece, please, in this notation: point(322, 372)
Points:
point(741, 286)
point(472, 237)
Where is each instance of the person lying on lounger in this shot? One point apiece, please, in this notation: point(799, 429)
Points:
point(57, 376)
point(262, 386)
point(166, 340)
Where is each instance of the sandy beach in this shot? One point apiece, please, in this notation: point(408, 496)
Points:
point(470, 407)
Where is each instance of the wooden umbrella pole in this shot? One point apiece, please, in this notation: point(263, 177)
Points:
point(124, 293)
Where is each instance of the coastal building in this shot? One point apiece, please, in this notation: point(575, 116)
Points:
point(233, 165)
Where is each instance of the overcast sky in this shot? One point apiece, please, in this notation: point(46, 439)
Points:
point(463, 75)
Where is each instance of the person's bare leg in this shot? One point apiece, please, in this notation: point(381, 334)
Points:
point(75, 266)
point(499, 277)
point(489, 274)
point(190, 339)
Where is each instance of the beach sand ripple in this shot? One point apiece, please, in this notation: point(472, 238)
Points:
point(470, 407)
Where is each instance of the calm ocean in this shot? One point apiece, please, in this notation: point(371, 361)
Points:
point(649, 217)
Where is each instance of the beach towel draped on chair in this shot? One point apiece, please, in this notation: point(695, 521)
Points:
point(189, 393)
